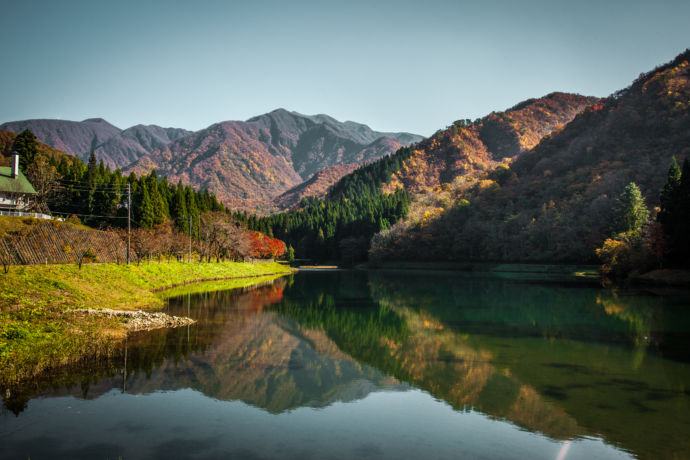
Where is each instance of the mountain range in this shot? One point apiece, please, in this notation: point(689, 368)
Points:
point(245, 163)
point(546, 151)
point(115, 146)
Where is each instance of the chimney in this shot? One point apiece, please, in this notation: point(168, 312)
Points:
point(15, 165)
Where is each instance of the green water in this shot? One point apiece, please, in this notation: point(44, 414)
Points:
point(349, 364)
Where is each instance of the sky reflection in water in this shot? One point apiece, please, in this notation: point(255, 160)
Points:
point(378, 365)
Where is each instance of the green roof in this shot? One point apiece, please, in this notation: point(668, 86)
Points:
point(19, 184)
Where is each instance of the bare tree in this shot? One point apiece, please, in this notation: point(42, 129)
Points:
point(43, 177)
point(238, 246)
point(224, 238)
point(7, 251)
point(179, 244)
point(143, 243)
point(163, 235)
point(82, 247)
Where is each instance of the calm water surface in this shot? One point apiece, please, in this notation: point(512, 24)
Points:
point(345, 364)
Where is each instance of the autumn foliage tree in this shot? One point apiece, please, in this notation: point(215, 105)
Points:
point(265, 247)
point(627, 250)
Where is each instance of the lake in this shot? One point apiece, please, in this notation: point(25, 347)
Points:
point(379, 364)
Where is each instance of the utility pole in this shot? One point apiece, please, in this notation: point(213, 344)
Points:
point(129, 220)
point(190, 239)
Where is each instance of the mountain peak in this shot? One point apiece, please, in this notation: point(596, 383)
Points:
point(97, 120)
point(247, 164)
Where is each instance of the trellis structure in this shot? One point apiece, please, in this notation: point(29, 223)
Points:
point(60, 243)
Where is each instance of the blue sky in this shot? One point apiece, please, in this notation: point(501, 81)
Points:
point(398, 66)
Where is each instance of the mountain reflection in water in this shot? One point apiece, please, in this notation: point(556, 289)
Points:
point(568, 363)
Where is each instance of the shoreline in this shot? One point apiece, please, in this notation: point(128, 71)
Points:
point(209, 280)
point(42, 329)
point(540, 272)
point(135, 321)
point(662, 277)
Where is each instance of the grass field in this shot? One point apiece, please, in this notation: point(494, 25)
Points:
point(38, 332)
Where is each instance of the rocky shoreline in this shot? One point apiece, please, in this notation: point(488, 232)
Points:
point(139, 320)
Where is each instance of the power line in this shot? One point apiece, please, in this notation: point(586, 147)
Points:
point(90, 187)
point(87, 215)
point(87, 184)
point(74, 181)
point(112, 192)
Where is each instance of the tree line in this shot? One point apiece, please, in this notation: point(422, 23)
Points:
point(643, 242)
point(166, 218)
point(341, 226)
point(66, 185)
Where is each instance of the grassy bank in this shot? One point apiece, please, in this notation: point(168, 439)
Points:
point(38, 331)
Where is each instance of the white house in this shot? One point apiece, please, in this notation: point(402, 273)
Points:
point(16, 191)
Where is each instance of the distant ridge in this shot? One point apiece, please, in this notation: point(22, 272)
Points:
point(245, 163)
point(317, 186)
point(248, 163)
point(117, 148)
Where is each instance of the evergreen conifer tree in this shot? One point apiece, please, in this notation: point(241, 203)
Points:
point(92, 166)
point(192, 209)
point(669, 195)
point(157, 205)
point(26, 146)
point(144, 208)
point(178, 211)
point(634, 214)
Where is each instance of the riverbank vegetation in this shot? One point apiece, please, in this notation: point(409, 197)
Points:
point(27, 241)
point(39, 331)
point(645, 242)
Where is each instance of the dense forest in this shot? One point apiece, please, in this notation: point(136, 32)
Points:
point(340, 226)
point(642, 243)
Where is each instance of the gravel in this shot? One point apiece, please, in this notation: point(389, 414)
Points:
point(140, 320)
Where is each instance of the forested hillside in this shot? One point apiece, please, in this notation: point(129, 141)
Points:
point(7, 139)
point(317, 186)
point(377, 195)
point(560, 200)
point(340, 226)
point(471, 148)
point(246, 164)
